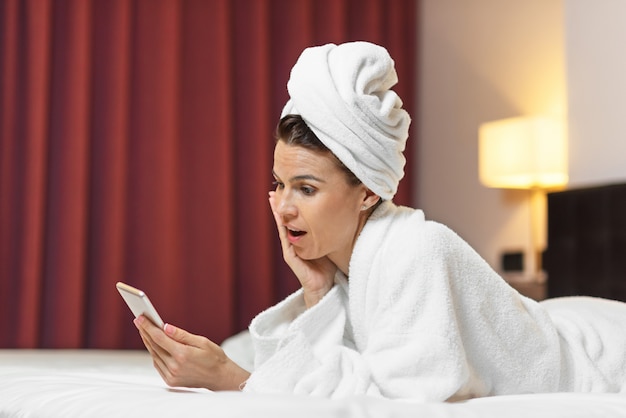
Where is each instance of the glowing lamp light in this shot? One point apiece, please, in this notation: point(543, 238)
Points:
point(523, 153)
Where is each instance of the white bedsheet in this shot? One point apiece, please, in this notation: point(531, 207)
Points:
point(100, 383)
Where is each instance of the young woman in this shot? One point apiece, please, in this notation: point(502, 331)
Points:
point(391, 304)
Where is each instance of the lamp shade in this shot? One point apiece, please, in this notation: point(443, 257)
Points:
point(523, 153)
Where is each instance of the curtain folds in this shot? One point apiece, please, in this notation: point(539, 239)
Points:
point(136, 141)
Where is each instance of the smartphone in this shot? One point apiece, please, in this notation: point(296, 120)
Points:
point(139, 303)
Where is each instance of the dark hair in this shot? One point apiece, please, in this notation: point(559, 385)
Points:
point(293, 130)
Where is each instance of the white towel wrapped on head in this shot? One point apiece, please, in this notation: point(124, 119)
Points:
point(343, 94)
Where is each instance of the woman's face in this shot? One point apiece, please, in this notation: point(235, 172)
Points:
point(321, 211)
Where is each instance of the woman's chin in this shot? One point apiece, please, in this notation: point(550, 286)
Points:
point(305, 255)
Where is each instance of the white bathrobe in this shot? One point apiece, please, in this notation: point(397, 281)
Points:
point(423, 317)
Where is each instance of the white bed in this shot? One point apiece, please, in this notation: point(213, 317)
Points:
point(101, 383)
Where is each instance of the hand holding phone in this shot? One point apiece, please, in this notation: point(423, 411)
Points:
point(139, 303)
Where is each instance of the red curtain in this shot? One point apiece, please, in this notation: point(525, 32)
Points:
point(136, 143)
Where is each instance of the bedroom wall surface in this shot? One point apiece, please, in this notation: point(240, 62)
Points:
point(481, 61)
point(596, 64)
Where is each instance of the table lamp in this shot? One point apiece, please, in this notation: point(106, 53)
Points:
point(525, 153)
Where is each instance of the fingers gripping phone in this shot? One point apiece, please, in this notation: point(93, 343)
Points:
point(139, 303)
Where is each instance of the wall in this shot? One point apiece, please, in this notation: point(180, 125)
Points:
point(482, 60)
point(596, 83)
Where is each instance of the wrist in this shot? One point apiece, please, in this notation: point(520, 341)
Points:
point(312, 298)
point(233, 376)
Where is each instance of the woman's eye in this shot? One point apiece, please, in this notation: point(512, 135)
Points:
point(308, 190)
point(278, 185)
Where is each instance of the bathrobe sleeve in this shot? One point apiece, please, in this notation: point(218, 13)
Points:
point(429, 321)
point(305, 351)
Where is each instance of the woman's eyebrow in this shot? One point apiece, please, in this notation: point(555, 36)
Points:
point(307, 177)
point(301, 177)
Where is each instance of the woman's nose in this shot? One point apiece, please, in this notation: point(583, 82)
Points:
point(286, 207)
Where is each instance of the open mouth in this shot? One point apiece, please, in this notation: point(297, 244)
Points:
point(295, 233)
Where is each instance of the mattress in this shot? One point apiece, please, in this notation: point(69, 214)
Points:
point(116, 383)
